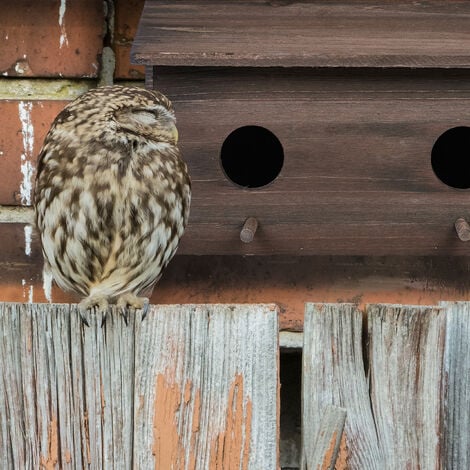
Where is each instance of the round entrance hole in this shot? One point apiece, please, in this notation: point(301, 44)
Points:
point(450, 157)
point(252, 156)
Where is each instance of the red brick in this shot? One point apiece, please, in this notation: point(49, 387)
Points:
point(40, 40)
point(23, 125)
point(126, 21)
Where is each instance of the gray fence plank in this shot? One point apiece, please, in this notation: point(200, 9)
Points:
point(406, 349)
point(207, 388)
point(333, 374)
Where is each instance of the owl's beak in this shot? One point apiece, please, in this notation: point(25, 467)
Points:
point(174, 133)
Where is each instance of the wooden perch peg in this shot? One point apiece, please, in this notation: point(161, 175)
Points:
point(463, 229)
point(249, 229)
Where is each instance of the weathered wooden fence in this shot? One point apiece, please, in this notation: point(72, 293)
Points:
point(189, 387)
point(196, 387)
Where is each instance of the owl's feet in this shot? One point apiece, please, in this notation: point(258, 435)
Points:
point(129, 303)
point(93, 304)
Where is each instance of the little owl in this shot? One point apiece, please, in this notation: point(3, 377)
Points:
point(112, 196)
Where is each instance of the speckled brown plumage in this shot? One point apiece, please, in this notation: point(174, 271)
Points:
point(112, 195)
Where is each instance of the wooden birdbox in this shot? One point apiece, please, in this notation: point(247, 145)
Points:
point(341, 127)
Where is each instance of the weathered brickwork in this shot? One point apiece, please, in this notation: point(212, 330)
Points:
point(51, 39)
point(23, 124)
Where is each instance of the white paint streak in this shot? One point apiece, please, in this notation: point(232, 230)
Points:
point(63, 33)
point(47, 285)
point(28, 231)
point(27, 131)
point(29, 291)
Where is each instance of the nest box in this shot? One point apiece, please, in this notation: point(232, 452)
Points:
point(318, 127)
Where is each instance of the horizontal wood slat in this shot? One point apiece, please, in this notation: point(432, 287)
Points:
point(335, 33)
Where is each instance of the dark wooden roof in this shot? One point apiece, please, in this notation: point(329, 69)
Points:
point(332, 33)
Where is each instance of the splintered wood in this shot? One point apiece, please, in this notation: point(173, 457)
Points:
point(334, 375)
point(394, 413)
point(190, 387)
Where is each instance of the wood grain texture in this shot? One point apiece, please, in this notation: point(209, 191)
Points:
point(407, 416)
point(327, 442)
point(207, 394)
point(67, 389)
point(406, 351)
point(334, 374)
point(357, 176)
point(335, 33)
point(77, 397)
point(456, 439)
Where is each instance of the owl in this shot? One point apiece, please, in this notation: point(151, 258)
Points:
point(112, 196)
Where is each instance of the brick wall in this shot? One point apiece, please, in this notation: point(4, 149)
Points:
point(61, 44)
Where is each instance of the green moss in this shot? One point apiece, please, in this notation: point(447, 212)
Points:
point(43, 89)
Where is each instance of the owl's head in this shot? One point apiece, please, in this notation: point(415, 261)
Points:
point(116, 113)
point(144, 113)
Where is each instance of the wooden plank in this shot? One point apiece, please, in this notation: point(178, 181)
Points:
point(357, 175)
point(367, 33)
point(334, 374)
point(207, 388)
point(67, 389)
point(406, 350)
point(456, 438)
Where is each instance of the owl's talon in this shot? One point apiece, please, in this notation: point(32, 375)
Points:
point(130, 303)
point(84, 320)
point(93, 305)
point(145, 309)
point(125, 315)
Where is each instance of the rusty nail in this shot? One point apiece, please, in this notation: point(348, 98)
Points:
point(249, 229)
point(463, 229)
